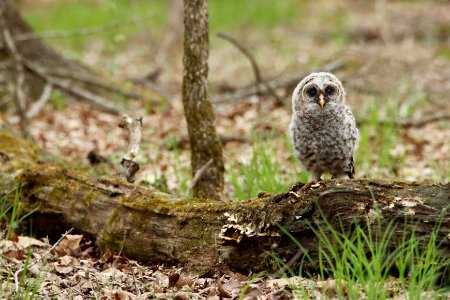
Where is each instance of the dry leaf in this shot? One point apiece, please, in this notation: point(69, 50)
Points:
point(107, 256)
point(70, 245)
point(65, 264)
point(173, 279)
point(25, 242)
point(330, 287)
point(15, 254)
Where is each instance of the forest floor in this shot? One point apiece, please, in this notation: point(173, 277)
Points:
point(396, 70)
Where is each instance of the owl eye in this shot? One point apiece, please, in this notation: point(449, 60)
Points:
point(311, 92)
point(329, 90)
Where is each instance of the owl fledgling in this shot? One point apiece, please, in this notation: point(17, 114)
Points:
point(323, 129)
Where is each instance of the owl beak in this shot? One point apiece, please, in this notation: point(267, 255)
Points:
point(321, 100)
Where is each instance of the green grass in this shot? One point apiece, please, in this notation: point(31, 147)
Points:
point(9, 212)
point(262, 172)
point(361, 261)
point(376, 142)
point(27, 284)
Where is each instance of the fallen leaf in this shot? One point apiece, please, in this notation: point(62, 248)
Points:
point(70, 245)
point(223, 293)
point(173, 279)
point(25, 242)
point(107, 256)
point(15, 253)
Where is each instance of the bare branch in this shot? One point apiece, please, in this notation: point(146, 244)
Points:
point(426, 120)
point(81, 31)
point(75, 90)
point(410, 123)
point(37, 106)
point(135, 135)
point(198, 175)
point(288, 83)
point(20, 78)
point(254, 64)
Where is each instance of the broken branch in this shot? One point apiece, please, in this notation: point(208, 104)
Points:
point(256, 71)
point(134, 139)
point(288, 83)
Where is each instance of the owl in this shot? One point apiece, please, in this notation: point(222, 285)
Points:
point(322, 128)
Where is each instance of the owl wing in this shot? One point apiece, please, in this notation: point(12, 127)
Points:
point(354, 137)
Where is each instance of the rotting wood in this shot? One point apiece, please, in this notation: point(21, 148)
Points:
point(201, 235)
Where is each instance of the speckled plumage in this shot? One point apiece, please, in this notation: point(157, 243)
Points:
point(323, 129)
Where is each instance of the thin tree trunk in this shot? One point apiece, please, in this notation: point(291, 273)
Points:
point(205, 144)
point(200, 234)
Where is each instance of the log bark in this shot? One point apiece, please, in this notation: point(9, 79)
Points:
point(155, 227)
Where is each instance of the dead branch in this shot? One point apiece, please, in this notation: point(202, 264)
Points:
point(414, 123)
point(37, 106)
point(69, 87)
point(256, 71)
point(288, 83)
point(198, 175)
point(134, 139)
point(92, 81)
point(81, 31)
point(183, 141)
point(426, 120)
point(20, 78)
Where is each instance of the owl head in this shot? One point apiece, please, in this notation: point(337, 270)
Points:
point(317, 90)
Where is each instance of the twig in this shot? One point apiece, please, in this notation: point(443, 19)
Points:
point(289, 82)
point(36, 107)
point(134, 127)
point(182, 141)
point(81, 31)
point(94, 99)
point(425, 121)
point(256, 71)
point(90, 80)
point(16, 274)
point(288, 265)
point(20, 78)
point(198, 175)
point(411, 123)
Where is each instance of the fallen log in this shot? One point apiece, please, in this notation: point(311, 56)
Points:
point(155, 227)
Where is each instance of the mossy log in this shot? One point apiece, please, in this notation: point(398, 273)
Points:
point(155, 227)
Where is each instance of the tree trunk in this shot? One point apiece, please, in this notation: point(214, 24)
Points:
point(206, 149)
point(201, 234)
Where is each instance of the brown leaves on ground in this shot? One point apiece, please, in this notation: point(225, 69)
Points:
point(69, 272)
